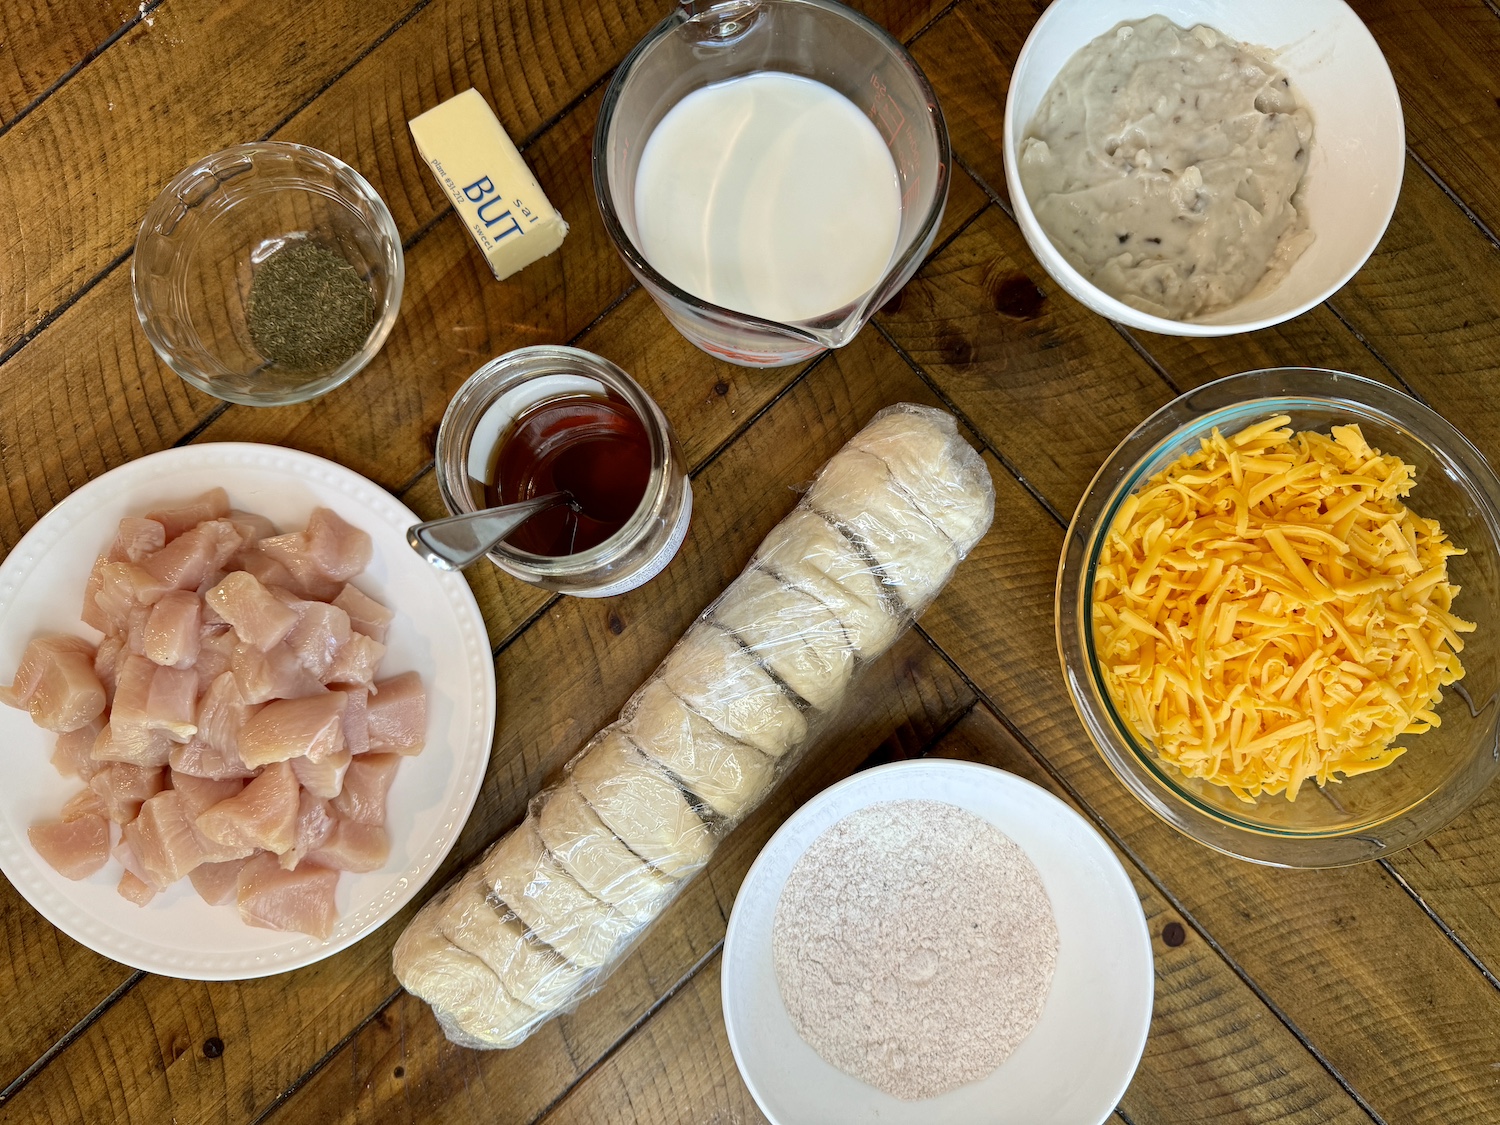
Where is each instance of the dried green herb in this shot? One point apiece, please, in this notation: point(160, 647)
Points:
point(309, 309)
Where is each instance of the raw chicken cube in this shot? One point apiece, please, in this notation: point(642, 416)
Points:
point(251, 526)
point(83, 803)
point(198, 759)
point(337, 548)
point(173, 630)
point(356, 662)
point(366, 615)
point(323, 778)
point(356, 719)
point(123, 587)
point(308, 580)
point(136, 539)
point(291, 728)
point(352, 846)
point(91, 614)
point(212, 505)
point(216, 647)
point(132, 738)
point(163, 840)
point(397, 715)
point(217, 883)
point(74, 848)
point(266, 570)
point(259, 618)
point(262, 815)
point(222, 714)
point(56, 682)
point(199, 794)
point(320, 632)
point(135, 889)
point(276, 674)
point(362, 798)
point(123, 787)
point(187, 560)
point(300, 900)
point(172, 705)
point(314, 826)
point(74, 754)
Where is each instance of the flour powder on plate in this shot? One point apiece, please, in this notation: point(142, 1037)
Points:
point(914, 947)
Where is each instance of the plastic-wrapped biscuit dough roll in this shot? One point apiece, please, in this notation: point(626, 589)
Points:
point(720, 679)
point(540, 920)
point(726, 775)
point(587, 849)
point(642, 805)
point(553, 906)
point(807, 552)
point(793, 634)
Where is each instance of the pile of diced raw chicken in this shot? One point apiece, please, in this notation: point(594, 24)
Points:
point(229, 726)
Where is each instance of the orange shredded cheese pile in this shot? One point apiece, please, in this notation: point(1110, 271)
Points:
point(1268, 610)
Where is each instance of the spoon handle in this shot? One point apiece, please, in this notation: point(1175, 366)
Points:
point(453, 542)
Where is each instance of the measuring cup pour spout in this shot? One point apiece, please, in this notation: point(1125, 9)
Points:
point(704, 42)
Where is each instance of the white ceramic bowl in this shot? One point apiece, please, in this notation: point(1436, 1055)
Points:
point(1078, 1059)
point(1354, 173)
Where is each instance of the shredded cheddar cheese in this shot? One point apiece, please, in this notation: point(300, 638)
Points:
point(1268, 610)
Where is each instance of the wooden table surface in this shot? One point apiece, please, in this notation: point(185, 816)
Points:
point(1368, 994)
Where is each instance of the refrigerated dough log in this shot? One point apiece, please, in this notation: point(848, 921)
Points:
point(460, 987)
point(792, 633)
point(915, 556)
point(727, 775)
point(935, 467)
point(553, 906)
point(642, 805)
point(588, 850)
point(721, 680)
point(808, 552)
point(535, 974)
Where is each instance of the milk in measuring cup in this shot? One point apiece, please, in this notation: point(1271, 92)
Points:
point(769, 194)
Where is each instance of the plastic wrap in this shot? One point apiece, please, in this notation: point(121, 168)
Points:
point(541, 919)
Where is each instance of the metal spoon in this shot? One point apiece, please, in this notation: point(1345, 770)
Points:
point(454, 542)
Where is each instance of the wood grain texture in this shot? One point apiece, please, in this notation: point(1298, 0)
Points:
point(42, 42)
point(1445, 57)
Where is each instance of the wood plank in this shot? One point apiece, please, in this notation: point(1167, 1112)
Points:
point(280, 1027)
point(1445, 57)
point(707, 400)
point(1216, 1052)
point(42, 41)
point(1347, 955)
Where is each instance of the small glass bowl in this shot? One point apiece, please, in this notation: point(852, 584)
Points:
point(203, 236)
point(477, 418)
point(1355, 819)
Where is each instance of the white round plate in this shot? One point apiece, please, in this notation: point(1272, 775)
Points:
point(1077, 1061)
point(437, 631)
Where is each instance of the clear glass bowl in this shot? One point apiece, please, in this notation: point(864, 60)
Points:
point(1443, 770)
point(203, 236)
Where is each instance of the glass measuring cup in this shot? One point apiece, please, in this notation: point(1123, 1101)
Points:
point(702, 43)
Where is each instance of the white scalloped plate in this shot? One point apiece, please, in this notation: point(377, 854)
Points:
point(437, 630)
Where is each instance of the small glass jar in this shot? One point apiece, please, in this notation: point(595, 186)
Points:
point(480, 415)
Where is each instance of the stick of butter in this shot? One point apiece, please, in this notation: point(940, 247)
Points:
point(492, 190)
